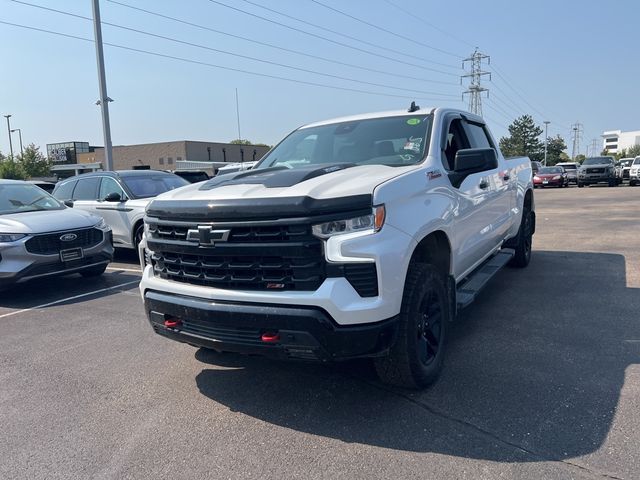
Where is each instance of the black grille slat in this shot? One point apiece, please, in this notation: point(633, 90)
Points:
point(363, 277)
point(50, 243)
point(252, 234)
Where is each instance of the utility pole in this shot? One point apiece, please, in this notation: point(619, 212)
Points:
point(238, 115)
point(9, 130)
point(104, 99)
point(577, 136)
point(594, 147)
point(475, 89)
point(20, 135)
point(546, 142)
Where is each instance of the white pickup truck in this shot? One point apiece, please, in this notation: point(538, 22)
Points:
point(354, 237)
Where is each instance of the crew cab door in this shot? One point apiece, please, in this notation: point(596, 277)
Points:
point(477, 198)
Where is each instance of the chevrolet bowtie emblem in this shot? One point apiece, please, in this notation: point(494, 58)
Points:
point(206, 236)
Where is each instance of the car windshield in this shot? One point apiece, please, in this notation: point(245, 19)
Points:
point(23, 197)
point(549, 170)
point(147, 186)
point(392, 141)
point(568, 166)
point(636, 161)
point(597, 161)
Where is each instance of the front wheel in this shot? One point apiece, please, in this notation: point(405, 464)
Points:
point(580, 184)
point(612, 183)
point(415, 359)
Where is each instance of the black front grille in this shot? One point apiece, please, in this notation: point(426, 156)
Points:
point(51, 243)
point(595, 170)
point(297, 270)
point(241, 234)
point(625, 174)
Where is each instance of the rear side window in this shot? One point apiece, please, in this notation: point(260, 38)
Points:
point(86, 189)
point(478, 137)
point(63, 192)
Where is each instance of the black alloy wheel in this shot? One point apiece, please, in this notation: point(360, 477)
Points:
point(429, 332)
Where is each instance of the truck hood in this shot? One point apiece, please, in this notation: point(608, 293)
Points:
point(47, 221)
point(277, 192)
point(319, 182)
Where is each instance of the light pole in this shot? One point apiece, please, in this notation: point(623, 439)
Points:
point(102, 84)
point(19, 135)
point(9, 130)
point(546, 127)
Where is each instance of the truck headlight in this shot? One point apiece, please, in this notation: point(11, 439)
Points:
point(11, 237)
point(373, 222)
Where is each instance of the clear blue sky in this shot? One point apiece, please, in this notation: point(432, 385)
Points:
point(559, 61)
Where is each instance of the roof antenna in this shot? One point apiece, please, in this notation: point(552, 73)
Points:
point(414, 107)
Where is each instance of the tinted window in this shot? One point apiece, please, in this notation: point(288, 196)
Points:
point(63, 191)
point(568, 166)
point(597, 161)
point(146, 186)
point(477, 136)
point(86, 189)
point(636, 161)
point(456, 140)
point(109, 185)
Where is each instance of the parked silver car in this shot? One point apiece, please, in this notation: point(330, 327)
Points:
point(41, 237)
point(119, 197)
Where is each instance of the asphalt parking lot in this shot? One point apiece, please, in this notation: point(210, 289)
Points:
point(542, 379)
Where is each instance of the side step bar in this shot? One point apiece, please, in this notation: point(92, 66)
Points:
point(468, 289)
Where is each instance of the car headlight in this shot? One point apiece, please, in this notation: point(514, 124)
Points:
point(102, 225)
point(557, 177)
point(372, 222)
point(536, 177)
point(11, 237)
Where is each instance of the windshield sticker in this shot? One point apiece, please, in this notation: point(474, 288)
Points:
point(413, 121)
point(413, 144)
point(433, 174)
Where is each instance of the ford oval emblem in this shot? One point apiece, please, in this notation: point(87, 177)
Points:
point(68, 237)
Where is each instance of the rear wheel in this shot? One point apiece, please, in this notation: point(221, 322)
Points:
point(580, 184)
point(524, 239)
point(415, 359)
point(612, 183)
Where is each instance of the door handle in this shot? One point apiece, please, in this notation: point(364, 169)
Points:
point(484, 184)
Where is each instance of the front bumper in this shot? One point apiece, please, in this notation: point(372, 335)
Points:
point(590, 178)
point(291, 332)
point(18, 265)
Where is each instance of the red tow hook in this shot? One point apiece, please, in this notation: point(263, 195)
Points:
point(172, 322)
point(270, 337)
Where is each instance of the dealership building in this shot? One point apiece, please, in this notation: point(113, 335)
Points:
point(615, 141)
point(72, 158)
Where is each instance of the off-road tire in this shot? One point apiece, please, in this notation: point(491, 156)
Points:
point(416, 357)
point(94, 271)
point(524, 239)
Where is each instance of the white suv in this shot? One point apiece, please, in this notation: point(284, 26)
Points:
point(119, 197)
point(634, 173)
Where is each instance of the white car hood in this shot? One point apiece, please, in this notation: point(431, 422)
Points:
point(47, 221)
point(334, 184)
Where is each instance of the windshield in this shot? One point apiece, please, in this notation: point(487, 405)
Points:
point(568, 166)
point(392, 141)
point(636, 161)
point(147, 186)
point(23, 197)
point(549, 170)
point(597, 161)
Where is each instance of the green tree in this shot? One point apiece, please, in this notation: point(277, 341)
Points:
point(240, 141)
point(555, 149)
point(633, 152)
point(523, 139)
point(11, 169)
point(580, 158)
point(34, 163)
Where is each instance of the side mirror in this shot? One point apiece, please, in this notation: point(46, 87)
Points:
point(473, 160)
point(113, 197)
point(68, 203)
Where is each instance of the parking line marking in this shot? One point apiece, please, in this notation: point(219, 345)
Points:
point(117, 269)
point(44, 305)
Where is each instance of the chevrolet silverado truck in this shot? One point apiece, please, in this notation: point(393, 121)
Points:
point(597, 170)
point(355, 237)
